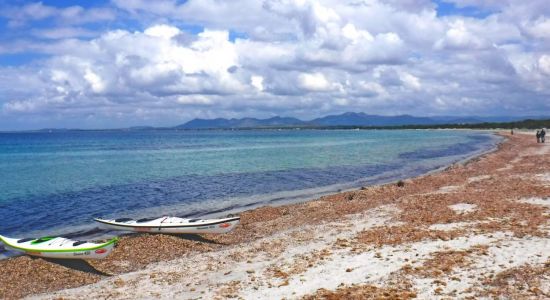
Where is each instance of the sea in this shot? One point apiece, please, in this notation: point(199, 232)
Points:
point(54, 183)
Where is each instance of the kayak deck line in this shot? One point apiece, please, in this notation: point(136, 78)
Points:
point(185, 225)
point(172, 225)
point(17, 247)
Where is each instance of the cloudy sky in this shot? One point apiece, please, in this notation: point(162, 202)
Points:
point(105, 64)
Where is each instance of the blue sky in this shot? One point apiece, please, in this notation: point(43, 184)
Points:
point(104, 64)
point(444, 8)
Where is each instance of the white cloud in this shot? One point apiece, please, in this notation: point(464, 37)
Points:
point(63, 33)
point(539, 28)
point(162, 31)
point(299, 57)
point(21, 16)
point(19, 106)
point(459, 37)
point(371, 89)
point(314, 82)
point(410, 81)
point(349, 31)
point(195, 100)
point(93, 79)
point(544, 64)
point(257, 82)
point(161, 7)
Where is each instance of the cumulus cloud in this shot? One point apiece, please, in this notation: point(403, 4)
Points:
point(63, 33)
point(257, 82)
point(20, 16)
point(370, 89)
point(539, 28)
point(410, 81)
point(544, 64)
point(289, 57)
point(149, 68)
point(314, 82)
point(162, 31)
point(458, 37)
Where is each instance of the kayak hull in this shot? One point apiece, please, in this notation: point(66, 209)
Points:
point(60, 248)
point(173, 225)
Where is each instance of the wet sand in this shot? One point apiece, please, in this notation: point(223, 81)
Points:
point(479, 229)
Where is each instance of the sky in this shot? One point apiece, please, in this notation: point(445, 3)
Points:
point(120, 63)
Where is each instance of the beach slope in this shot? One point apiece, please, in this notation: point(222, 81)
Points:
point(477, 229)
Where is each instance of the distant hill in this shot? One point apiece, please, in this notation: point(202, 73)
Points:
point(141, 128)
point(362, 119)
point(240, 123)
point(345, 119)
point(519, 124)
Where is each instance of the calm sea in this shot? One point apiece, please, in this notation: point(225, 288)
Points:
point(54, 183)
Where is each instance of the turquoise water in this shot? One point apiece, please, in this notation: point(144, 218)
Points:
point(50, 181)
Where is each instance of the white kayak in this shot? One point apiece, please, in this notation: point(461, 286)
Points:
point(59, 247)
point(172, 225)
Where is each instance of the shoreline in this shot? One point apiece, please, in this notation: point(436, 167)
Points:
point(267, 233)
point(234, 205)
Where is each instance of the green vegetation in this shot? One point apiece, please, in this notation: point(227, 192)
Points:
point(525, 124)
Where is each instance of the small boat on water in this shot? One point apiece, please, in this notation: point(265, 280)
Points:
point(59, 247)
point(172, 225)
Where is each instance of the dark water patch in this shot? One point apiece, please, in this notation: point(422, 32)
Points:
point(71, 208)
point(456, 149)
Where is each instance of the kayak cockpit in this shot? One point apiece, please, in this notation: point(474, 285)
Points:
point(121, 220)
point(42, 240)
point(25, 240)
point(145, 220)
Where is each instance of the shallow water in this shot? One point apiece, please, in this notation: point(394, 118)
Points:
point(55, 182)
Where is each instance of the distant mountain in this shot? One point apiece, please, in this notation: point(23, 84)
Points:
point(240, 123)
point(345, 119)
point(362, 119)
point(478, 119)
point(138, 128)
point(54, 130)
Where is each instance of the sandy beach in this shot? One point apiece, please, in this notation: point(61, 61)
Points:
point(474, 230)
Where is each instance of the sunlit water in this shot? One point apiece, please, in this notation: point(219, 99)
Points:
point(56, 182)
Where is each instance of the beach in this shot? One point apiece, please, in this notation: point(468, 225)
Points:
point(476, 229)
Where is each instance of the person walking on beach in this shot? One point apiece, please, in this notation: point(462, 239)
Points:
point(542, 135)
point(538, 136)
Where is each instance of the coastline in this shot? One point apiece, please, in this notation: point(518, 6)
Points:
point(277, 251)
point(269, 192)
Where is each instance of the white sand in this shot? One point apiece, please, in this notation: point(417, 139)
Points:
point(247, 271)
point(544, 178)
point(502, 255)
point(452, 226)
point(463, 208)
point(366, 267)
point(213, 272)
point(478, 178)
point(542, 149)
point(536, 201)
point(448, 189)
